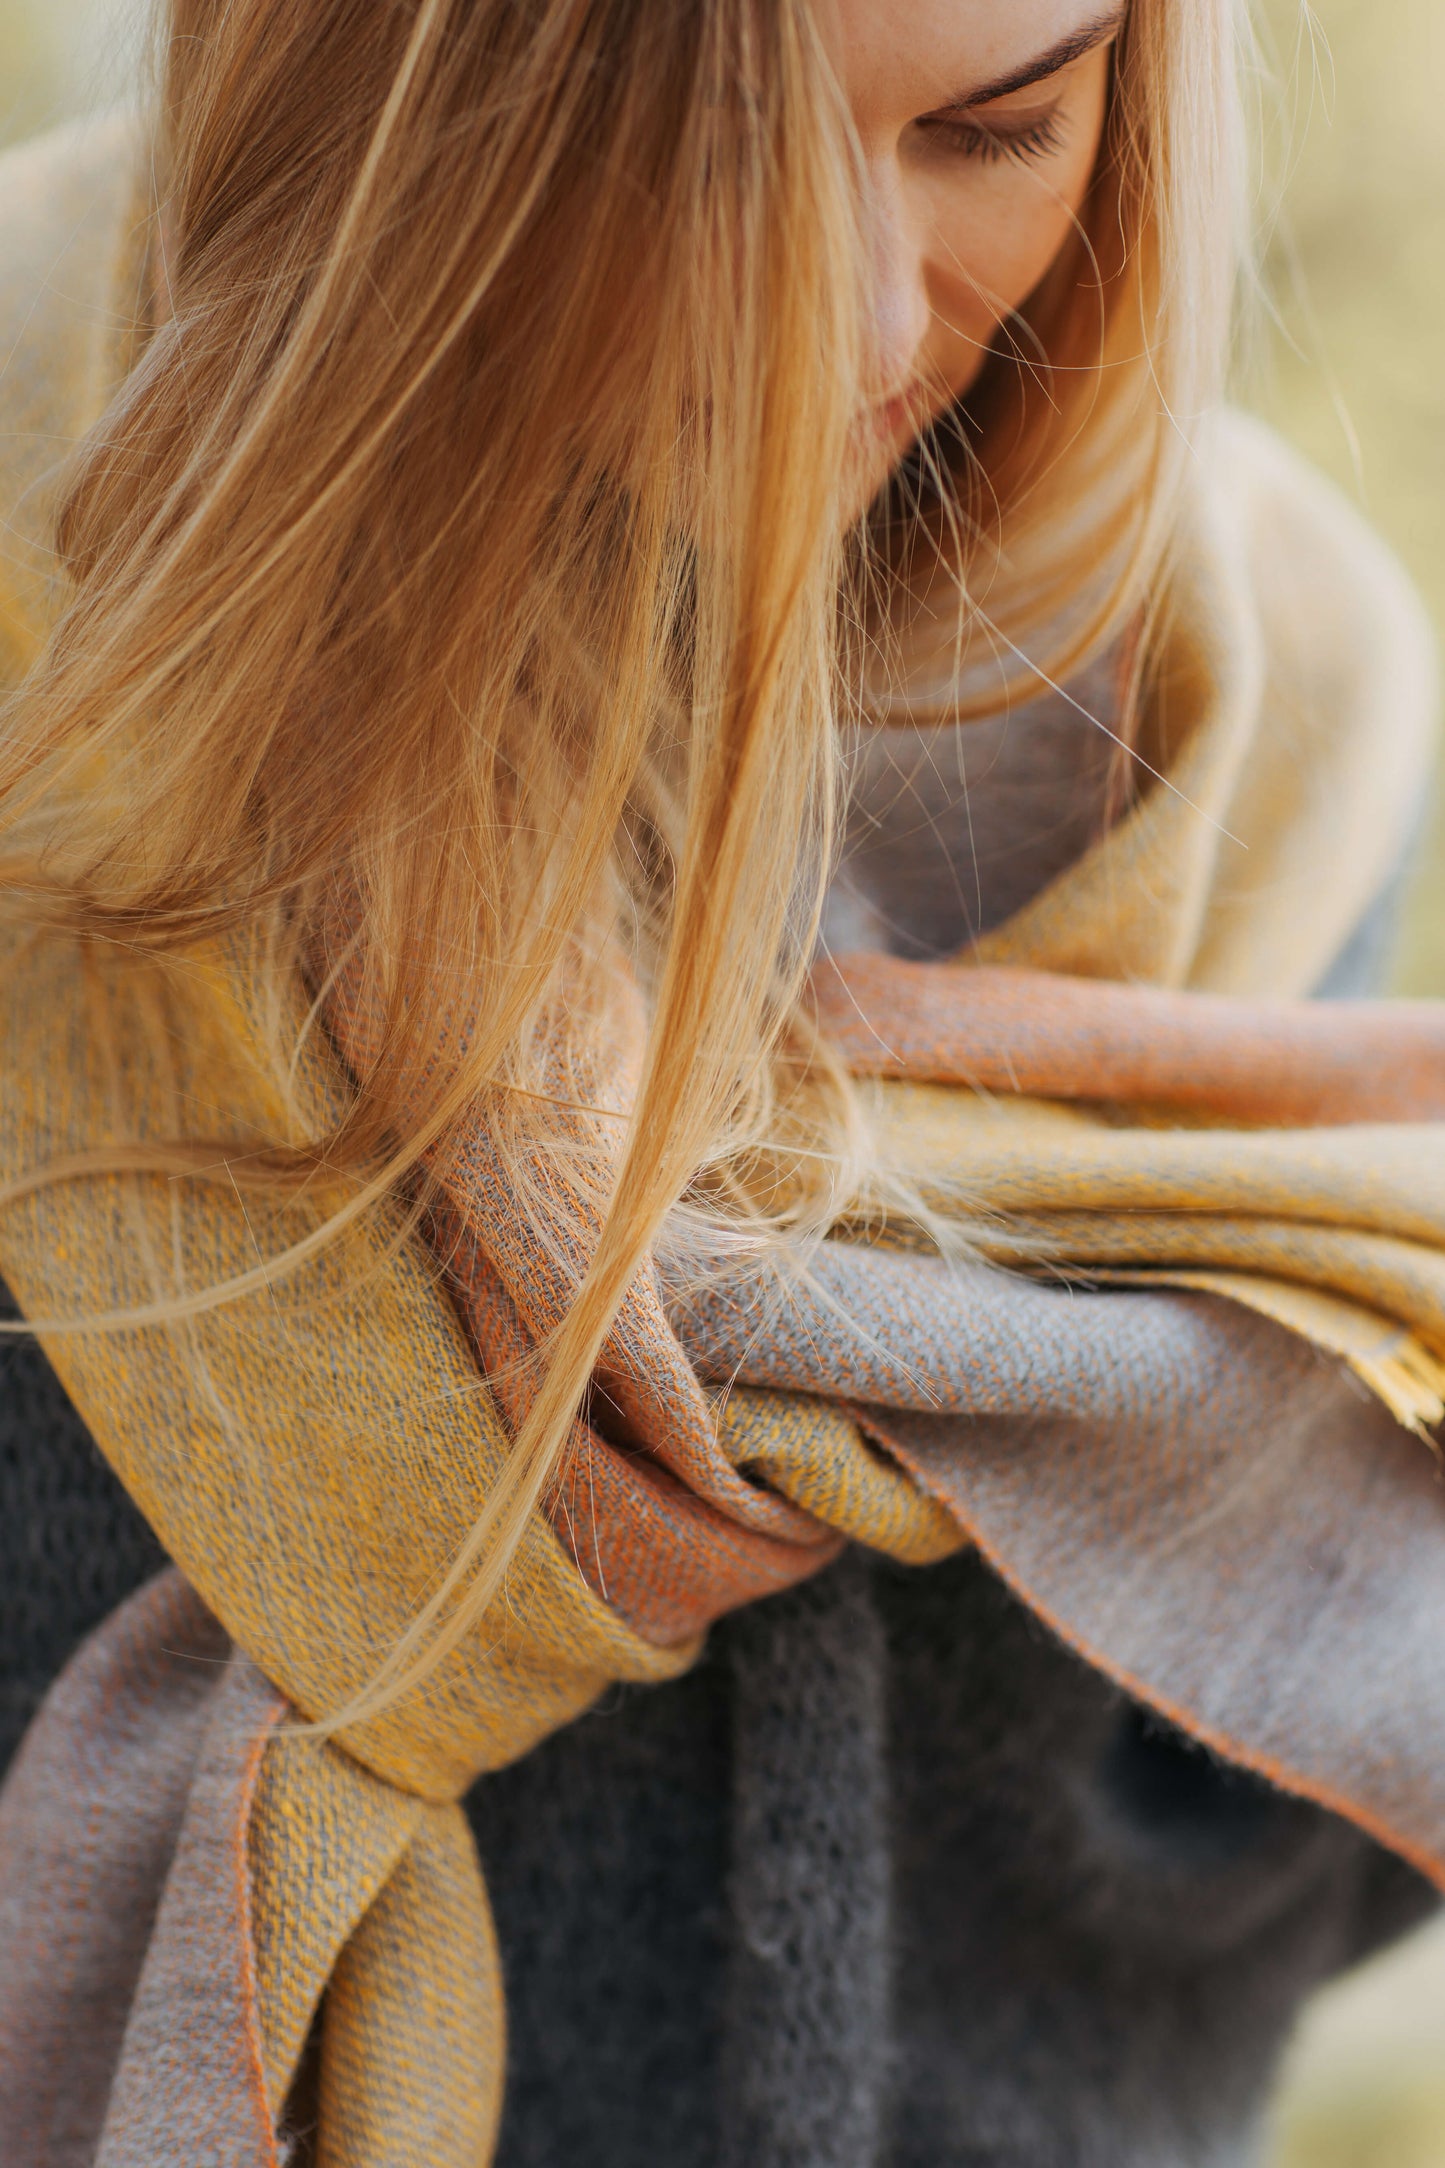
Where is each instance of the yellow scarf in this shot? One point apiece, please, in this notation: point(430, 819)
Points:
point(312, 1456)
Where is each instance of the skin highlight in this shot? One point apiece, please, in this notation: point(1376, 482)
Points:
point(979, 129)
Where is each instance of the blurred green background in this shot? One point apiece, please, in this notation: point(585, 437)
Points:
point(1352, 368)
point(1355, 374)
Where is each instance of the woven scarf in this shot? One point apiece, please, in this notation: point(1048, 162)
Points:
point(1123, 1081)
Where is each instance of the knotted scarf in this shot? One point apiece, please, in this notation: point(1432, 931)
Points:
point(1124, 1083)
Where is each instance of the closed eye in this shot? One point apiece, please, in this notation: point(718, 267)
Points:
point(991, 142)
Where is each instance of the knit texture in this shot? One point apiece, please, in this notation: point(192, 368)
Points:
point(255, 1436)
point(1022, 2004)
point(75, 1546)
point(809, 1990)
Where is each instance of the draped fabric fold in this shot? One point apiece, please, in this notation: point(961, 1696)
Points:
point(211, 1887)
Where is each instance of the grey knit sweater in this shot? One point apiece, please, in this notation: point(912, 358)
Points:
point(891, 1879)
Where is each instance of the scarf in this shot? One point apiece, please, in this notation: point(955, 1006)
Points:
point(1124, 1082)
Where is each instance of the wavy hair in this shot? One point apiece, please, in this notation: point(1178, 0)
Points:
point(462, 587)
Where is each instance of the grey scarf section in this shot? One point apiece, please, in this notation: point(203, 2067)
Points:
point(951, 828)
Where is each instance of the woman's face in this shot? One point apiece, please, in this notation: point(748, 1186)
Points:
point(980, 123)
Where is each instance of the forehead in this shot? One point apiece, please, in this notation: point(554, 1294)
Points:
point(908, 55)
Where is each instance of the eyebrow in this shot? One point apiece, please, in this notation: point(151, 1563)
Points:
point(1079, 42)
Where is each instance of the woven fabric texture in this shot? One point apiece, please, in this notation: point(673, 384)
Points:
point(311, 1455)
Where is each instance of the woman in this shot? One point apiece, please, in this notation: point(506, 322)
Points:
point(568, 495)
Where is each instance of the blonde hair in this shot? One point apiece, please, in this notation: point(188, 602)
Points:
point(461, 563)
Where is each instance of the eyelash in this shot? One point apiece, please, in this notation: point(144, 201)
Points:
point(990, 146)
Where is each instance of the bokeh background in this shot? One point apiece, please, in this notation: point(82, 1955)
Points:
point(1350, 363)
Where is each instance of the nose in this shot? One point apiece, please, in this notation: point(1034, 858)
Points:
point(900, 310)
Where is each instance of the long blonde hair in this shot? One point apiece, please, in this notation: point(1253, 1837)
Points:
point(464, 562)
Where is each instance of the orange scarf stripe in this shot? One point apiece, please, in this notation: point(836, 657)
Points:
point(1040, 1034)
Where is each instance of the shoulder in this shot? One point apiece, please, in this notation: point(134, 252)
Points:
point(1334, 603)
point(72, 243)
point(1329, 796)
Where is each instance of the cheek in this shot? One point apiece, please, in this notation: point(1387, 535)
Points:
point(995, 232)
point(996, 236)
